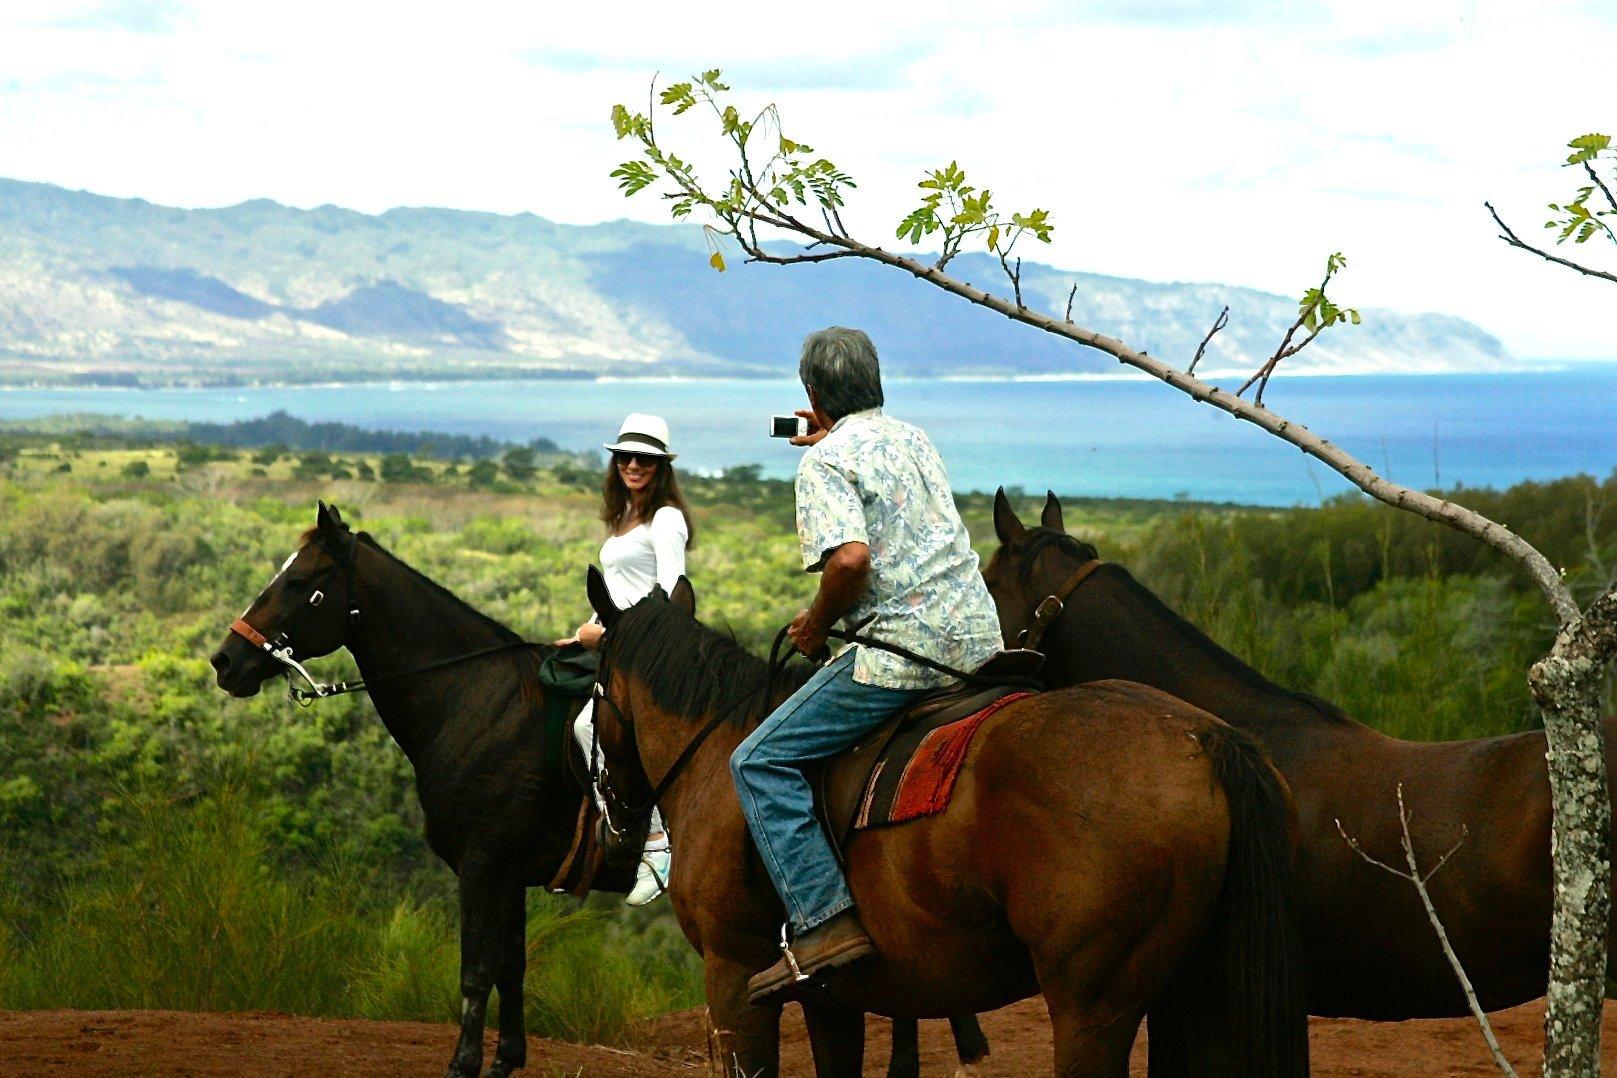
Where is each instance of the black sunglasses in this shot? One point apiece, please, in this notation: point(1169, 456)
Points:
point(645, 460)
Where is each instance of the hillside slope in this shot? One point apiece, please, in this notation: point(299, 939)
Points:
point(121, 290)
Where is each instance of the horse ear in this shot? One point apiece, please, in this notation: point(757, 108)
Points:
point(683, 595)
point(328, 520)
point(1006, 525)
point(600, 596)
point(1051, 517)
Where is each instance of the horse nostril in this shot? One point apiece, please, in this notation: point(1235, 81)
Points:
point(220, 661)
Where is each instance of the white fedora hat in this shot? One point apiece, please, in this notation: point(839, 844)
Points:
point(642, 433)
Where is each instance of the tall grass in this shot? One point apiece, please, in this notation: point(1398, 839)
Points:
point(191, 911)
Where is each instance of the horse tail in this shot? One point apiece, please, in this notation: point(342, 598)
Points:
point(1255, 943)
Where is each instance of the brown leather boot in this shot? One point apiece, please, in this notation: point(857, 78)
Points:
point(837, 944)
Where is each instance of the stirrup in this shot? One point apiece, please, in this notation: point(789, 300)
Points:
point(662, 884)
point(798, 976)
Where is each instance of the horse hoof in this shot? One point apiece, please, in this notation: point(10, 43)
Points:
point(966, 1070)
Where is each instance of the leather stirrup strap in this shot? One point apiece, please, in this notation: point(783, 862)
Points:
point(1052, 605)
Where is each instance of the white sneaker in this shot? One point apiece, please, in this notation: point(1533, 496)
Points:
point(651, 880)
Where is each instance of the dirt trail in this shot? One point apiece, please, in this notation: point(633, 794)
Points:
point(174, 1043)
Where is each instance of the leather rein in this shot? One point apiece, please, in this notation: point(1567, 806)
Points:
point(280, 648)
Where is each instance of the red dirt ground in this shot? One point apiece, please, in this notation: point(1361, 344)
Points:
point(174, 1043)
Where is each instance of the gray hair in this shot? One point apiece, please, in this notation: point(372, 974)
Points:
point(840, 366)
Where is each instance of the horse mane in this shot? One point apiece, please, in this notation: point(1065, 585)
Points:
point(505, 634)
point(527, 660)
point(1213, 650)
point(690, 669)
point(1040, 539)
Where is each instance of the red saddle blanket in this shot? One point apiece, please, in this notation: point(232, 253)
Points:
point(918, 769)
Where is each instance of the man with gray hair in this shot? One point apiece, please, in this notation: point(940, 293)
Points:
point(877, 520)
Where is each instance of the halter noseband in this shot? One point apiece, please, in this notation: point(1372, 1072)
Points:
point(1053, 605)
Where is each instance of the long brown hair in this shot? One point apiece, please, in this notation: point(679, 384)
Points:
point(664, 490)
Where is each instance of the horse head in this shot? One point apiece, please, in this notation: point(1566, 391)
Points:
point(1033, 572)
point(307, 610)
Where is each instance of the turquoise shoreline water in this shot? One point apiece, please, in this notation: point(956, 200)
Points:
point(1108, 438)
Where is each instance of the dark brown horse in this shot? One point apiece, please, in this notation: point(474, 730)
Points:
point(1105, 846)
point(1369, 949)
point(471, 729)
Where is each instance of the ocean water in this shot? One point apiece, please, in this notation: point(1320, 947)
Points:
point(1109, 438)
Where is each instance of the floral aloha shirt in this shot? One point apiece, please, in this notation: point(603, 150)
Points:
point(877, 481)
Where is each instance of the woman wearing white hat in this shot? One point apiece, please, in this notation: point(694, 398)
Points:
point(648, 530)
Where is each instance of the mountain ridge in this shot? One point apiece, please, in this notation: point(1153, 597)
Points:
point(102, 289)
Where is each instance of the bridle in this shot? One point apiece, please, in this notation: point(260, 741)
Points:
point(281, 650)
point(1052, 606)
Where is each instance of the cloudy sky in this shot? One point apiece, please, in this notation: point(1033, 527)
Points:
point(1173, 140)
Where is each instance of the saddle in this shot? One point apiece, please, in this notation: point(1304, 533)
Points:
point(862, 786)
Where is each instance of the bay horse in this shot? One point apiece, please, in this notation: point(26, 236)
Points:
point(1106, 845)
point(494, 813)
point(1369, 949)
point(470, 729)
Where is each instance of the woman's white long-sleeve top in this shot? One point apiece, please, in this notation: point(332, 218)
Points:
point(644, 556)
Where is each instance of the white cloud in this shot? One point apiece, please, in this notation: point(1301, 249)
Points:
point(1233, 142)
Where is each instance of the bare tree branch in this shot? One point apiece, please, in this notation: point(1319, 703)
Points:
point(1361, 475)
point(760, 255)
point(1287, 349)
point(1219, 323)
point(1073, 293)
point(1015, 274)
point(1511, 238)
point(1594, 177)
point(1415, 876)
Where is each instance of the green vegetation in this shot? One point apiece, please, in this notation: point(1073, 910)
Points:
point(164, 845)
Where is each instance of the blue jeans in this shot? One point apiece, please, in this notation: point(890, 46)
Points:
point(829, 713)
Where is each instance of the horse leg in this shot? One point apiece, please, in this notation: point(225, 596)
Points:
point(1089, 1045)
point(838, 1039)
point(1166, 1043)
point(480, 923)
point(905, 1060)
point(510, 967)
point(970, 1045)
point(741, 1038)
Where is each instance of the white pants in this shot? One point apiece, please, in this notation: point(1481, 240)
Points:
point(584, 732)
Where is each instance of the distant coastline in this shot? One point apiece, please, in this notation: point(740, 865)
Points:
point(1096, 436)
point(402, 381)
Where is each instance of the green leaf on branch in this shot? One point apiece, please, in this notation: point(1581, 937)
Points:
point(921, 222)
point(1586, 148)
point(1037, 222)
point(681, 96)
point(634, 177)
